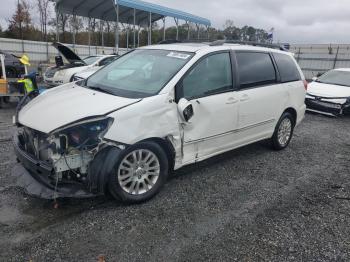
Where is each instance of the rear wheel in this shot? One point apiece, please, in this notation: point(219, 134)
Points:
point(283, 132)
point(140, 172)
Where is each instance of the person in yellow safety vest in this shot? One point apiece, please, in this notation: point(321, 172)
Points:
point(27, 81)
point(28, 85)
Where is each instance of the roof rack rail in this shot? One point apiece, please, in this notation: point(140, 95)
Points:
point(174, 41)
point(169, 41)
point(268, 45)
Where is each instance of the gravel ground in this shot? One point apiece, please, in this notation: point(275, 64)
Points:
point(251, 204)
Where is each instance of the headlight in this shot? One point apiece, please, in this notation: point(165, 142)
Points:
point(61, 73)
point(83, 135)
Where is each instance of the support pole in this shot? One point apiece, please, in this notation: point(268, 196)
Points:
point(164, 29)
point(188, 30)
point(102, 33)
point(336, 58)
point(197, 25)
point(208, 33)
point(134, 44)
point(57, 28)
point(89, 35)
point(150, 29)
point(3, 69)
point(127, 37)
point(177, 28)
point(74, 29)
point(117, 30)
point(138, 36)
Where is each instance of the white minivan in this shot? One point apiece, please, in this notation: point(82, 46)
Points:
point(155, 109)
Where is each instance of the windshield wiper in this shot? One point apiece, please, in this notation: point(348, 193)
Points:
point(100, 89)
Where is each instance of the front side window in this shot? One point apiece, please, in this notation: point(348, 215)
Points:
point(140, 73)
point(212, 75)
point(255, 69)
point(287, 68)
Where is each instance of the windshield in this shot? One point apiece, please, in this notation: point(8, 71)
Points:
point(140, 73)
point(91, 59)
point(335, 77)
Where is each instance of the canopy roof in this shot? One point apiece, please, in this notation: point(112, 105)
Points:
point(105, 10)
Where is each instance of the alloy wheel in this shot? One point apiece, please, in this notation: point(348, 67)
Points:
point(138, 171)
point(284, 131)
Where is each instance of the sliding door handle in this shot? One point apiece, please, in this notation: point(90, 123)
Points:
point(244, 97)
point(231, 100)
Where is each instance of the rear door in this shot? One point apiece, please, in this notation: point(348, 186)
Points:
point(261, 95)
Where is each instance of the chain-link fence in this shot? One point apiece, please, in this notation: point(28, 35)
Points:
point(45, 52)
point(312, 58)
point(319, 58)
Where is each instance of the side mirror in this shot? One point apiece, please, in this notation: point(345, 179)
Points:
point(314, 78)
point(319, 74)
point(185, 109)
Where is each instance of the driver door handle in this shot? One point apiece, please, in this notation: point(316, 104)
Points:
point(231, 100)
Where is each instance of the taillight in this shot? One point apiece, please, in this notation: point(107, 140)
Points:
point(305, 84)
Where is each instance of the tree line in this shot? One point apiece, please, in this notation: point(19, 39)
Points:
point(22, 25)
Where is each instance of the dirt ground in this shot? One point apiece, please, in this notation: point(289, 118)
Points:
point(251, 204)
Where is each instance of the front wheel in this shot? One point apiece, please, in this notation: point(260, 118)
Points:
point(140, 172)
point(283, 132)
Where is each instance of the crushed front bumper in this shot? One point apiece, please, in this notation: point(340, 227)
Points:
point(325, 105)
point(37, 178)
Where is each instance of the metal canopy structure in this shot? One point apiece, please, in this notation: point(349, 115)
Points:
point(130, 12)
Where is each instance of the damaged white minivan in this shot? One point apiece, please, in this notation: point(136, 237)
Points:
point(154, 110)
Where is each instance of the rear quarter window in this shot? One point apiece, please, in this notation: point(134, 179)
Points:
point(287, 68)
point(255, 69)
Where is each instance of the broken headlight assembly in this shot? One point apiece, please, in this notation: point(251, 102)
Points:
point(73, 147)
point(85, 135)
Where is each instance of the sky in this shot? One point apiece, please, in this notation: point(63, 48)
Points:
point(294, 21)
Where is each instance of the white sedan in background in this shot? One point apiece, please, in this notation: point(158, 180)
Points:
point(330, 93)
point(63, 73)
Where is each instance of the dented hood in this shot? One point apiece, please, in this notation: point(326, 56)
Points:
point(328, 90)
point(66, 104)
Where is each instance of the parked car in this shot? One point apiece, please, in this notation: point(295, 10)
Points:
point(14, 68)
point(63, 73)
point(86, 73)
point(154, 110)
point(330, 93)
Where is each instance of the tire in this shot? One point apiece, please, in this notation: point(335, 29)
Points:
point(134, 181)
point(283, 132)
point(11, 73)
point(6, 99)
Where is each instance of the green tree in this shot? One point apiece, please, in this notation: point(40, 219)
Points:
point(20, 24)
point(230, 31)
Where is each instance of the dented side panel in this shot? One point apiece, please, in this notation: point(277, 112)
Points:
point(153, 117)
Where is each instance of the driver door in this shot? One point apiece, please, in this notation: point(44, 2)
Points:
point(209, 87)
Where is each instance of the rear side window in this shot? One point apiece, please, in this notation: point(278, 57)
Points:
point(287, 68)
point(255, 69)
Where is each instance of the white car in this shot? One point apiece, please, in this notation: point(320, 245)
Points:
point(154, 110)
point(85, 74)
point(64, 73)
point(330, 93)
